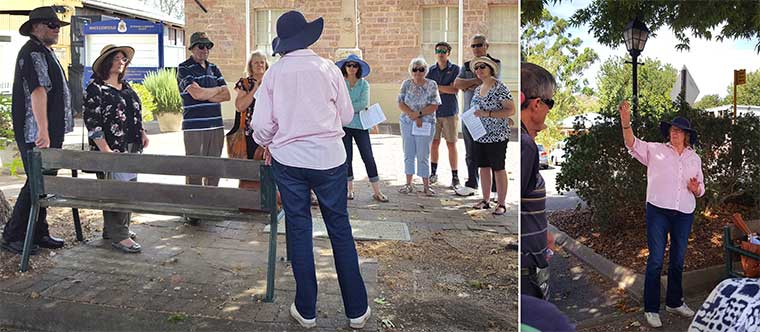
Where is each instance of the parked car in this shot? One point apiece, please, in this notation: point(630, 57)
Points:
point(557, 156)
point(543, 157)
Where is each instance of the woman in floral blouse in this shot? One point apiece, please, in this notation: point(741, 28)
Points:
point(492, 103)
point(418, 101)
point(246, 87)
point(113, 117)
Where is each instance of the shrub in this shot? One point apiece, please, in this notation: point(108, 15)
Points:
point(163, 86)
point(147, 100)
point(6, 122)
point(613, 183)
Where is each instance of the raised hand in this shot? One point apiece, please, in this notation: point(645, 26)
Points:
point(625, 113)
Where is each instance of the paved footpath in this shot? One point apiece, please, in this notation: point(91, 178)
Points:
point(212, 277)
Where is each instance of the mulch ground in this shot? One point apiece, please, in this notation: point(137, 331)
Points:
point(625, 243)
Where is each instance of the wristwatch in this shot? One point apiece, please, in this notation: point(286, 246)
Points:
point(420, 113)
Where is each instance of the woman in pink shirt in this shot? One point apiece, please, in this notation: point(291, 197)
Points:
point(674, 181)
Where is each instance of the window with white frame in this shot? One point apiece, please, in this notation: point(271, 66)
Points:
point(439, 24)
point(266, 29)
point(504, 41)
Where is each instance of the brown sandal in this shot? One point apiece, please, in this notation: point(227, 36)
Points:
point(380, 198)
point(500, 210)
point(482, 205)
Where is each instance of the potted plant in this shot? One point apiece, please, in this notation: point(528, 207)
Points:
point(162, 85)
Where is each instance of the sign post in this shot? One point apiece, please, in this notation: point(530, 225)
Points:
point(740, 77)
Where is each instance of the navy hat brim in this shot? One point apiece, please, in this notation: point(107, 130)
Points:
point(308, 36)
point(665, 131)
point(353, 58)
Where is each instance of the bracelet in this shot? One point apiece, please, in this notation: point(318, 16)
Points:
point(629, 127)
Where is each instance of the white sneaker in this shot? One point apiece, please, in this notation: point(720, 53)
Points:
point(465, 191)
point(358, 323)
point(306, 323)
point(653, 319)
point(683, 310)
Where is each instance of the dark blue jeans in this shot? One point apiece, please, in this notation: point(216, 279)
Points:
point(365, 150)
point(294, 185)
point(660, 223)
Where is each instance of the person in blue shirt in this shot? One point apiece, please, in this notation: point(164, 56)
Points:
point(445, 73)
point(354, 71)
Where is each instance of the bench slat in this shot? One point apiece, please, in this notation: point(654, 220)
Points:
point(158, 208)
point(138, 193)
point(151, 164)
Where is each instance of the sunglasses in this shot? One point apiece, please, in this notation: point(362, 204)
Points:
point(481, 66)
point(205, 46)
point(479, 45)
point(52, 25)
point(441, 51)
point(122, 60)
point(352, 65)
point(549, 102)
point(418, 69)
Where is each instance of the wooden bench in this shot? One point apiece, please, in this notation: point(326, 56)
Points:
point(207, 203)
point(733, 250)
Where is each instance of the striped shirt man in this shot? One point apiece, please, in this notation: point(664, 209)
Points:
point(533, 224)
point(199, 114)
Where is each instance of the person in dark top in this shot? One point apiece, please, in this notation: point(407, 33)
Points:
point(41, 112)
point(245, 88)
point(444, 73)
point(537, 89)
point(113, 117)
point(543, 316)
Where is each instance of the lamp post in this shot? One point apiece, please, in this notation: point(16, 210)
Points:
point(636, 35)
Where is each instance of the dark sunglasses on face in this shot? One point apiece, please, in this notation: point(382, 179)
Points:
point(481, 66)
point(418, 69)
point(352, 65)
point(52, 25)
point(478, 45)
point(441, 51)
point(548, 101)
point(205, 46)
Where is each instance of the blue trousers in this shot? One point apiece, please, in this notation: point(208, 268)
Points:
point(661, 223)
point(416, 148)
point(365, 150)
point(329, 185)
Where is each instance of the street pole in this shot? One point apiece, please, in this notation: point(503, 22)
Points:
point(635, 81)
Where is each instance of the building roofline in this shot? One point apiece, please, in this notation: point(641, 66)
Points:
point(134, 12)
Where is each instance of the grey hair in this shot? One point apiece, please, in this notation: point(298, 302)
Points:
point(480, 37)
point(535, 81)
point(255, 54)
point(417, 62)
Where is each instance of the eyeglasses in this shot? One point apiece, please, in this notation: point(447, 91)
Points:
point(53, 25)
point(352, 65)
point(418, 69)
point(481, 66)
point(441, 51)
point(205, 46)
point(122, 60)
point(548, 101)
point(478, 45)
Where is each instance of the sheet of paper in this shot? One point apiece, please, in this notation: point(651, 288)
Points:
point(425, 130)
point(473, 123)
point(372, 116)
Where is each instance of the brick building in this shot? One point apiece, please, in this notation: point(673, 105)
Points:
point(388, 34)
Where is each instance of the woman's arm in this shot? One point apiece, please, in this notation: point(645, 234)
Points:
point(625, 122)
point(243, 99)
point(93, 116)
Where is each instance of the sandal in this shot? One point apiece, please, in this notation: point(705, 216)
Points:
point(133, 249)
point(380, 198)
point(132, 235)
point(406, 189)
point(350, 195)
point(482, 205)
point(500, 210)
point(430, 192)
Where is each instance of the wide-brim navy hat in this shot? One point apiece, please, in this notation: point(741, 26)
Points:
point(354, 58)
point(682, 123)
point(40, 14)
point(295, 33)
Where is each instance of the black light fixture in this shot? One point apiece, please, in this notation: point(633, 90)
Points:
point(636, 35)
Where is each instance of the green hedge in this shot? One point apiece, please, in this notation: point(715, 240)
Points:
point(147, 101)
point(613, 183)
point(162, 84)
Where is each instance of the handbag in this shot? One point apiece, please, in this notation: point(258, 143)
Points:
point(237, 147)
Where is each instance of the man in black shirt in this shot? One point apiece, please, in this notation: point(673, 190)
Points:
point(41, 112)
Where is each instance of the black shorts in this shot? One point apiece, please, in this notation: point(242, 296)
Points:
point(491, 155)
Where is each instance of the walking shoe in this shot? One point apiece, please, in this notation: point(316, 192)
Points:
point(17, 247)
point(433, 178)
point(358, 323)
point(465, 191)
point(305, 323)
point(454, 183)
point(683, 310)
point(653, 319)
point(50, 242)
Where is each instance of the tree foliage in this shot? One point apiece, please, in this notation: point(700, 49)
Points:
point(549, 44)
point(655, 83)
point(737, 19)
point(709, 101)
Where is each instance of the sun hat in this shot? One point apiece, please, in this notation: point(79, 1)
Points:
point(40, 14)
point(354, 58)
point(295, 33)
point(128, 51)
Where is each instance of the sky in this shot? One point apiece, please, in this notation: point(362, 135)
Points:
point(710, 63)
